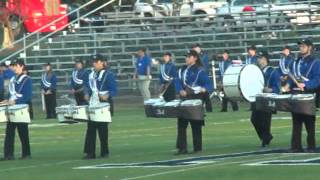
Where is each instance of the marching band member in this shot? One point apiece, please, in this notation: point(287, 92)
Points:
point(286, 61)
point(26, 72)
point(223, 65)
point(306, 69)
point(76, 83)
point(252, 57)
point(167, 74)
point(48, 90)
point(20, 91)
point(192, 83)
point(204, 59)
point(261, 120)
point(101, 81)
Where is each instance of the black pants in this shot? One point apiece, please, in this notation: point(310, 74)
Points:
point(23, 132)
point(51, 104)
point(207, 101)
point(309, 123)
point(170, 93)
point(79, 96)
point(196, 127)
point(1, 95)
point(90, 137)
point(90, 144)
point(262, 123)
point(225, 101)
point(30, 109)
point(317, 98)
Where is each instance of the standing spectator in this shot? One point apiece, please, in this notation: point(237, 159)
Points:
point(48, 89)
point(143, 73)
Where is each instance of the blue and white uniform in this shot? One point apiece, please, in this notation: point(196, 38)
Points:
point(251, 60)
point(284, 64)
point(49, 83)
point(167, 75)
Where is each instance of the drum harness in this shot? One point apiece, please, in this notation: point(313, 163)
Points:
point(44, 80)
point(94, 100)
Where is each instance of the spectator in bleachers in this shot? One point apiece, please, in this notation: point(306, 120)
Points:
point(203, 56)
point(252, 57)
point(48, 90)
point(223, 65)
point(143, 73)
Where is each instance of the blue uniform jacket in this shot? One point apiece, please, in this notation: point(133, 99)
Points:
point(272, 79)
point(105, 82)
point(20, 89)
point(251, 60)
point(168, 72)
point(193, 76)
point(8, 74)
point(1, 82)
point(78, 78)
point(308, 70)
point(49, 82)
point(205, 61)
point(143, 64)
point(285, 64)
point(223, 65)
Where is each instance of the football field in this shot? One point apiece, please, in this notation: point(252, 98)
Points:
point(143, 148)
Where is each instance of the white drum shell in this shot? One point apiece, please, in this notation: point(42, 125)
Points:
point(243, 82)
point(19, 113)
point(3, 117)
point(80, 113)
point(100, 113)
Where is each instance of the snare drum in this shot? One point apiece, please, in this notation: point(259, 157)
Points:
point(80, 113)
point(303, 104)
point(148, 106)
point(19, 113)
point(65, 114)
point(191, 110)
point(265, 102)
point(100, 112)
point(243, 82)
point(3, 117)
point(172, 109)
point(283, 102)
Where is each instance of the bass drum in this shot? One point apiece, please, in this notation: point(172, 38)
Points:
point(243, 82)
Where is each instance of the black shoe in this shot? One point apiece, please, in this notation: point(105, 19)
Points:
point(25, 157)
point(197, 151)
point(89, 157)
point(223, 110)
point(266, 142)
point(181, 152)
point(9, 158)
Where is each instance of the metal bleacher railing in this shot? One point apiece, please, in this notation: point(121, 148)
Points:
point(121, 36)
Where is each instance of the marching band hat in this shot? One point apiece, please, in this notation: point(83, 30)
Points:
point(18, 61)
point(192, 53)
point(306, 41)
point(196, 45)
point(97, 57)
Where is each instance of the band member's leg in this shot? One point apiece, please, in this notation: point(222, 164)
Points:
point(30, 109)
point(23, 132)
point(296, 132)
point(266, 127)
point(197, 135)
point(309, 122)
point(91, 139)
point(54, 105)
point(77, 97)
point(224, 104)
point(182, 134)
point(256, 122)
point(317, 98)
point(9, 140)
point(47, 103)
point(234, 104)
point(103, 136)
point(146, 85)
point(207, 102)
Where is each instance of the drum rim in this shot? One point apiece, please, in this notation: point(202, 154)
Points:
point(239, 85)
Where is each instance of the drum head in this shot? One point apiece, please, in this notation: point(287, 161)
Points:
point(251, 82)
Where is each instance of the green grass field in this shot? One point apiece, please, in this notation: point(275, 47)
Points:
point(57, 150)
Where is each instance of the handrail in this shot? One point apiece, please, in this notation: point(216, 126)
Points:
point(46, 36)
point(51, 23)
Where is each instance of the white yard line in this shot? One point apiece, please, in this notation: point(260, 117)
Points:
point(199, 167)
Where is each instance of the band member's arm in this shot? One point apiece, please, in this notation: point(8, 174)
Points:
point(26, 92)
point(110, 85)
point(178, 83)
point(314, 81)
point(53, 86)
point(205, 82)
point(205, 60)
